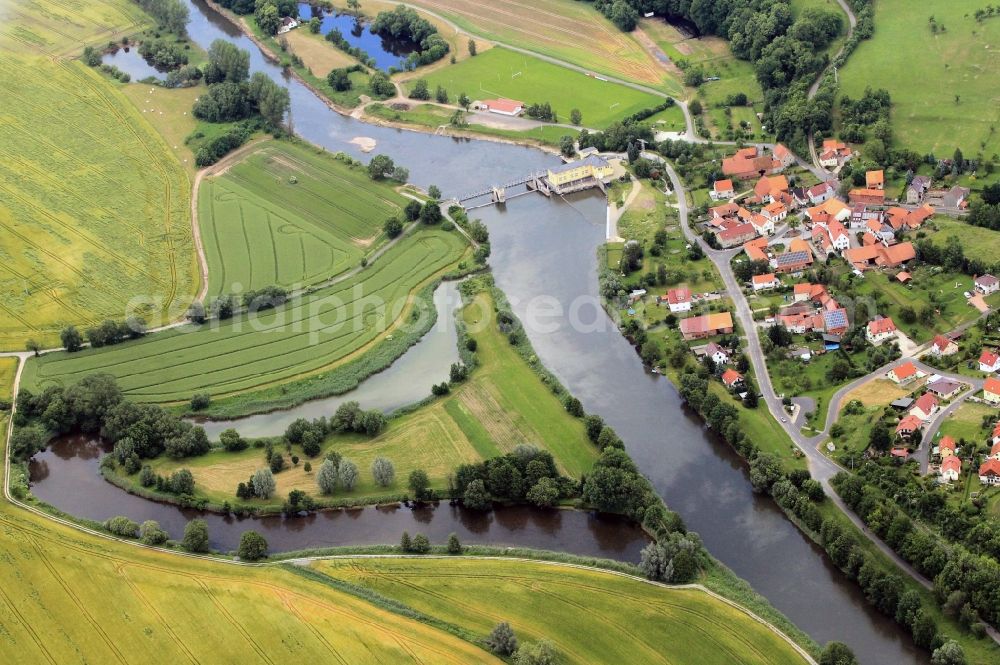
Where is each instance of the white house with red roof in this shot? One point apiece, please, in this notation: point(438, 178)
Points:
point(989, 472)
point(995, 450)
point(991, 391)
point(722, 190)
point(951, 469)
point(718, 354)
point(775, 211)
point(989, 361)
point(925, 406)
point(501, 106)
point(942, 346)
point(905, 373)
point(731, 378)
point(947, 447)
point(880, 330)
point(679, 299)
point(987, 284)
point(783, 155)
point(908, 426)
point(763, 224)
point(819, 193)
point(765, 282)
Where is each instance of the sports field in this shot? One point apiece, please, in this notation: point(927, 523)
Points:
point(571, 31)
point(93, 207)
point(503, 404)
point(590, 616)
point(501, 72)
point(306, 336)
point(923, 73)
point(289, 215)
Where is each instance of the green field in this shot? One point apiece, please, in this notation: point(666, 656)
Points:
point(306, 336)
point(966, 422)
point(571, 31)
point(432, 116)
point(94, 209)
point(261, 228)
point(503, 404)
point(501, 72)
point(639, 623)
point(977, 242)
point(924, 72)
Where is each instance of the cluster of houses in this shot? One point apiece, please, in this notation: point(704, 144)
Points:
point(813, 309)
point(950, 468)
point(680, 300)
point(989, 470)
point(834, 154)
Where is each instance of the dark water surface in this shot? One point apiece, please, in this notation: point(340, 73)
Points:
point(128, 60)
point(385, 52)
point(544, 258)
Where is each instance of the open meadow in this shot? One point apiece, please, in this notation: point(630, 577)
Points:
point(571, 31)
point(501, 72)
point(93, 207)
point(309, 335)
point(944, 85)
point(502, 404)
point(289, 215)
point(637, 622)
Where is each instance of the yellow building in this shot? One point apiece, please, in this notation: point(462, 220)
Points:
point(590, 167)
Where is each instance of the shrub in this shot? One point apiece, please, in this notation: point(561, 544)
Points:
point(195, 536)
point(502, 640)
point(383, 471)
point(421, 545)
point(122, 526)
point(454, 546)
point(150, 533)
point(263, 483)
point(253, 546)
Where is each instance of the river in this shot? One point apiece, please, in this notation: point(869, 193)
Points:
point(544, 256)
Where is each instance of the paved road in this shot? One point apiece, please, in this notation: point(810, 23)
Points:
point(852, 21)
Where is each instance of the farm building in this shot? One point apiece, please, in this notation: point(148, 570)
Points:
point(502, 106)
point(697, 327)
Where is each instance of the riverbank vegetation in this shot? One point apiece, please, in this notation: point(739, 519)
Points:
point(288, 214)
point(663, 623)
point(322, 342)
point(78, 247)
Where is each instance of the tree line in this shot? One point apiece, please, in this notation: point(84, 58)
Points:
point(404, 24)
point(171, 15)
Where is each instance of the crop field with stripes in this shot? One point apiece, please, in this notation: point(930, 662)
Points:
point(590, 616)
point(289, 215)
point(93, 208)
point(71, 598)
point(306, 335)
point(571, 31)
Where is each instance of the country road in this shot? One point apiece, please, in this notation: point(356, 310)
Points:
point(852, 22)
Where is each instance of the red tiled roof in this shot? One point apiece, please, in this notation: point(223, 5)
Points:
point(763, 279)
point(874, 178)
point(906, 370)
point(881, 326)
point(947, 442)
point(926, 402)
point(992, 386)
point(990, 468)
point(951, 463)
point(987, 357)
point(723, 185)
point(504, 104)
point(731, 376)
point(679, 295)
point(941, 342)
point(908, 424)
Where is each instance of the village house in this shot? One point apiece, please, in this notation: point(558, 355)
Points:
point(989, 361)
point(817, 194)
point(755, 249)
point(287, 25)
point(785, 156)
point(880, 330)
point(875, 179)
point(502, 106)
point(947, 447)
point(750, 163)
point(736, 235)
point(943, 346)
point(991, 391)
point(987, 284)
point(925, 406)
point(861, 215)
point(908, 426)
point(917, 189)
point(945, 388)
point(679, 299)
point(903, 373)
point(792, 262)
point(839, 236)
point(775, 211)
point(880, 231)
point(770, 188)
point(951, 468)
point(707, 325)
point(732, 379)
point(831, 209)
point(762, 224)
point(863, 258)
point(718, 354)
point(722, 190)
point(995, 451)
point(867, 196)
point(955, 198)
point(765, 282)
point(834, 154)
point(989, 472)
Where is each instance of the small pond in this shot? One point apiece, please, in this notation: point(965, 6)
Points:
point(386, 52)
point(128, 60)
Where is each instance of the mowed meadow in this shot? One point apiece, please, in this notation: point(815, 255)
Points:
point(503, 404)
point(289, 215)
point(93, 207)
point(624, 621)
point(924, 72)
point(501, 72)
point(307, 335)
point(571, 31)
